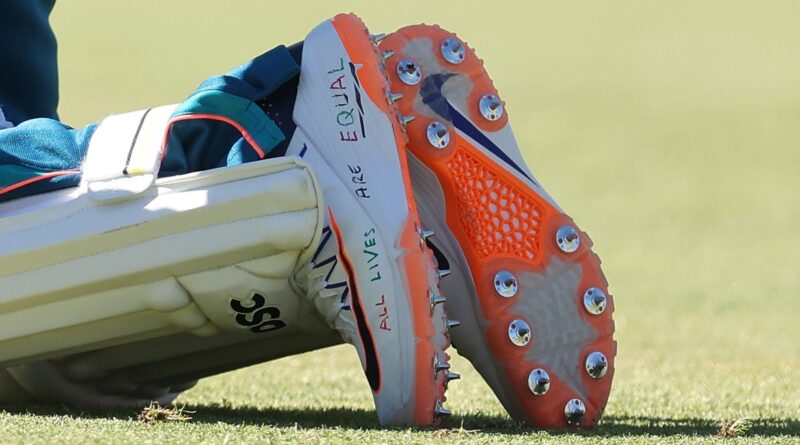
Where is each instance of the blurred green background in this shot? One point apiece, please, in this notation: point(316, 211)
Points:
point(669, 131)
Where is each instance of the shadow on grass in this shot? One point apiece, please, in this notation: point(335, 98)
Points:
point(611, 425)
point(656, 426)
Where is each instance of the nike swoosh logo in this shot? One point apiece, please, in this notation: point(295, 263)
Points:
point(432, 96)
point(467, 127)
point(372, 368)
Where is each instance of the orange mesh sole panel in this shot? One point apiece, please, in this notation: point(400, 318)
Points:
point(495, 214)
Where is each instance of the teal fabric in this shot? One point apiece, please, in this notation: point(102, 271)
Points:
point(191, 143)
point(42, 146)
point(37, 147)
point(202, 144)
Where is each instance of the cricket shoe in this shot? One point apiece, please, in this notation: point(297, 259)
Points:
point(373, 277)
point(532, 299)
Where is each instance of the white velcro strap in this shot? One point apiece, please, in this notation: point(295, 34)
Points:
point(125, 154)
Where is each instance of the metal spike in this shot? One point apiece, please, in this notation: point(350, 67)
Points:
point(594, 301)
point(376, 38)
point(443, 273)
point(438, 135)
point(405, 120)
point(408, 72)
point(452, 323)
point(394, 97)
point(574, 411)
point(519, 332)
point(539, 382)
point(436, 299)
point(506, 284)
point(440, 365)
point(453, 376)
point(441, 411)
point(568, 239)
point(596, 365)
point(387, 54)
point(452, 50)
point(491, 107)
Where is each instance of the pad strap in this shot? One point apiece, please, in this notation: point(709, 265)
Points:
point(125, 154)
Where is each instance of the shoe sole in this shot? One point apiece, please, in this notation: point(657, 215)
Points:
point(503, 224)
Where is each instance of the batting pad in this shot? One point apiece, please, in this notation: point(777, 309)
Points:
point(105, 265)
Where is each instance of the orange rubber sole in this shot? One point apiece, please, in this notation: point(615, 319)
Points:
point(502, 223)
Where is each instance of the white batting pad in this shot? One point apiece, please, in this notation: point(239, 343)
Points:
point(79, 274)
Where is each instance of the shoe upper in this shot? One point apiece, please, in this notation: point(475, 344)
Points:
point(372, 275)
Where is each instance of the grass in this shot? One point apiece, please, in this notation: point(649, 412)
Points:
point(668, 130)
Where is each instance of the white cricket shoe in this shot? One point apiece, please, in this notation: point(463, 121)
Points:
point(373, 277)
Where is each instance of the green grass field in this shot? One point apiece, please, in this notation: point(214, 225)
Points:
point(669, 131)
